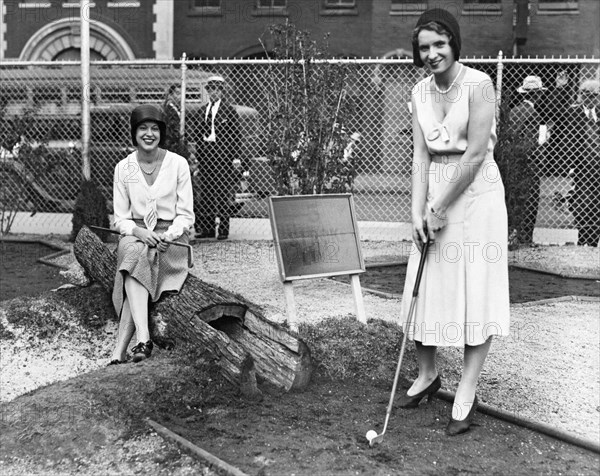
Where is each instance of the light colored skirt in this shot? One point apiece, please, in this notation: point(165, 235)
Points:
point(157, 271)
point(463, 297)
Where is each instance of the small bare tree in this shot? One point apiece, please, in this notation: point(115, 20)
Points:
point(308, 111)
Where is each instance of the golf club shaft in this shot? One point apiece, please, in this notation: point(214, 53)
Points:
point(169, 242)
point(406, 328)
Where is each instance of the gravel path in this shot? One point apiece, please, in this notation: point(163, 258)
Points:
point(547, 370)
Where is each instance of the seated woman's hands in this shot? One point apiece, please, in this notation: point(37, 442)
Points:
point(150, 238)
point(162, 246)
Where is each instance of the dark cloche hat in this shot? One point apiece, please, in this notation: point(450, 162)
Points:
point(445, 19)
point(148, 112)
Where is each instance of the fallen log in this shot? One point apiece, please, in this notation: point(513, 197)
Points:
point(244, 342)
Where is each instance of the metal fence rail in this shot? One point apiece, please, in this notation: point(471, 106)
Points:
point(550, 172)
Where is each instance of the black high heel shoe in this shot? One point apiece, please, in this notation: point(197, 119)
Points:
point(456, 427)
point(142, 351)
point(412, 401)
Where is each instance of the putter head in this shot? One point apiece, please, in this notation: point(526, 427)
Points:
point(374, 441)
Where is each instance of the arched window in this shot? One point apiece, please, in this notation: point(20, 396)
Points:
point(61, 40)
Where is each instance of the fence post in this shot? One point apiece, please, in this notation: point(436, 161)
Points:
point(183, 88)
point(86, 168)
point(500, 68)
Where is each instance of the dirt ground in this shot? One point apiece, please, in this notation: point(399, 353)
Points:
point(94, 422)
point(316, 432)
point(322, 432)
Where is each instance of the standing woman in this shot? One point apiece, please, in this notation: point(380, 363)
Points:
point(458, 202)
point(152, 202)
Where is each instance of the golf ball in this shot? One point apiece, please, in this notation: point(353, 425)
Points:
point(371, 434)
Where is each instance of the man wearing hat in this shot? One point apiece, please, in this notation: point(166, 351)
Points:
point(218, 145)
point(580, 140)
point(528, 134)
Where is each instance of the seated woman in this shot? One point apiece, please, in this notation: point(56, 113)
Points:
point(152, 203)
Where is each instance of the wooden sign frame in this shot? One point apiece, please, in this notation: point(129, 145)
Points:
point(316, 236)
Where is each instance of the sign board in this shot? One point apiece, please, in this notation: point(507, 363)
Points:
point(315, 236)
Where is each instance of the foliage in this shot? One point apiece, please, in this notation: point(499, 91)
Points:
point(42, 317)
point(346, 349)
point(173, 141)
point(308, 112)
point(90, 209)
point(25, 158)
point(514, 158)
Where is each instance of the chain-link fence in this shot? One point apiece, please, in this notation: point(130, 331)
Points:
point(548, 154)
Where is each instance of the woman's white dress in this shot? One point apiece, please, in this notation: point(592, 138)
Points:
point(463, 297)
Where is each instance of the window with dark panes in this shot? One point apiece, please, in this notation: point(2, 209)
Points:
point(271, 3)
point(483, 5)
point(340, 3)
point(404, 5)
point(207, 3)
point(557, 5)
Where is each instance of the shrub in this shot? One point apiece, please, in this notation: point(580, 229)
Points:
point(345, 349)
point(308, 111)
point(90, 209)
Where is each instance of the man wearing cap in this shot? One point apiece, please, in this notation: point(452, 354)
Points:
point(528, 134)
point(218, 145)
point(582, 126)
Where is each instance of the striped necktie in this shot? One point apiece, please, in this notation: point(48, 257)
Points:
point(151, 217)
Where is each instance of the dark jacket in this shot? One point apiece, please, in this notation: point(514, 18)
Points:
point(227, 146)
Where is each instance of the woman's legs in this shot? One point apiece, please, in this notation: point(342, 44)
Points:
point(427, 369)
point(126, 330)
point(465, 393)
point(137, 295)
point(134, 317)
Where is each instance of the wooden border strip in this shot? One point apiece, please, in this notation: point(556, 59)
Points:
point(195, 450)
point(538, 427)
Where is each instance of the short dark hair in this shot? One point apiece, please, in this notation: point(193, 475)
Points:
point(430, 20)
point(440, 30)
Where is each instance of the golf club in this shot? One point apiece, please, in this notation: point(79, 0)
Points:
point(190, 251)
point(372, 435)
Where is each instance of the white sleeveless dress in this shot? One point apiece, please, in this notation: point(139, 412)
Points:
point(463, 297)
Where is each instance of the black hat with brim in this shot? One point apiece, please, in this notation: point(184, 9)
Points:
point(147, 112)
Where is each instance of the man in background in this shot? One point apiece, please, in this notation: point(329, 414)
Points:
point(581, 123)
point(527, 133)
point(218, 151)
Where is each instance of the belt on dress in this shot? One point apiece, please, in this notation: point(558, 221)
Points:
point(159, 223)
point(445, 158)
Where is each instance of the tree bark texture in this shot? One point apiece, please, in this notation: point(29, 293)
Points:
point(244, 343)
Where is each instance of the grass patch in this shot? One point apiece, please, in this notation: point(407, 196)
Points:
point(343, 348)
point(48, 315)
point(93, 303)
point(44, 318)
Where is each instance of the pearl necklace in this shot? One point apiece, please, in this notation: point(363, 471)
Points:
point(444, 91)
point(155, 165)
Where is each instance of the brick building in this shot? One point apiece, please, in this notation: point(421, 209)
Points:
point(164, 29)
point(119, 30)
